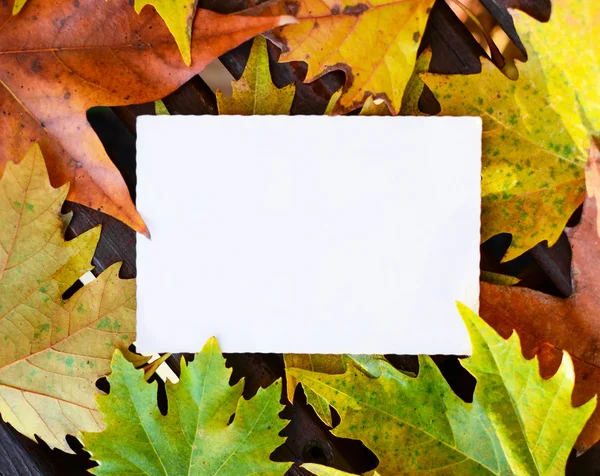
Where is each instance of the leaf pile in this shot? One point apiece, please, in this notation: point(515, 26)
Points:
point(59, 59)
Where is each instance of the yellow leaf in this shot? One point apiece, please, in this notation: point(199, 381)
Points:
point(254, 92)
point(532, 170)
point(179, 16)
point(17, 6)
point(569, 50)
point(53, 350)
point(375, 43)
point(537, 129)
point(331, 364)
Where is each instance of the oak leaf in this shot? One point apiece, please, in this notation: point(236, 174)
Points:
point(518, 422)
point(549, 325)
point(53, 350)
point(208, 428)
point(59, 58)
point(374, 43)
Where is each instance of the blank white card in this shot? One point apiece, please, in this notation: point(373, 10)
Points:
point(308, 234)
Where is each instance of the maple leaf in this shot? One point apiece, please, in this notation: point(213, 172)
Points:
point(518, 423)
point(549, 325)
point(53, 350)
point(254, 92)
point(58, 59)
point(532, 178)
point(330, 364)
point(537, 129)
point(375, 44)
point(198, 435)
point(574, 29)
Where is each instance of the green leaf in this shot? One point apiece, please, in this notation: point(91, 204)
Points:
point(195, 437)
point(160, 109)
point(518, 423)
point(53, 350)
point(254, 93)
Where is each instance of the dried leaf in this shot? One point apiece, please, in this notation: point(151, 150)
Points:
point(51, 73)
point(549, 325)
point(375, 44)
point(53, 350)
point(208, 429)
point(518, 423)
point(254, 92)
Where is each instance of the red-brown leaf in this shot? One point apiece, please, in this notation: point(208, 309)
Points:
point(547, 324)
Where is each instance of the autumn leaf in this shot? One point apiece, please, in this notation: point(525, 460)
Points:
point(518, 423)
point(53, 350)
point(375, 44)
point(208, 429)
point(536, 129)
point(549, 325)
point(532, 178)
point(330, 364)
point(179, 17)
point(573, 31)
point(17, 6)
point(254, 92)
point(58, 59)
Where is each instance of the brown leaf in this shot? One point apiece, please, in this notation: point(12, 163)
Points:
point(60, 58)
point(548, 325)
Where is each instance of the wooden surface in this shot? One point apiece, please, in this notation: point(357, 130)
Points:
point(308, 439)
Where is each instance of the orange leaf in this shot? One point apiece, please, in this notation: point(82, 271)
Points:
point(547, 324)
point(59, 58)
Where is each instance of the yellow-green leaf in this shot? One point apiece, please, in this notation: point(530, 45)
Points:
point(330, 364)
point(374, 43)
point(532, 170)
point(518, 423)
point(179, 17)
point(537, 129)
point(569, 52)
point(209, 429)
point(254, 92)
point(160, 109)
point(53, 350)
